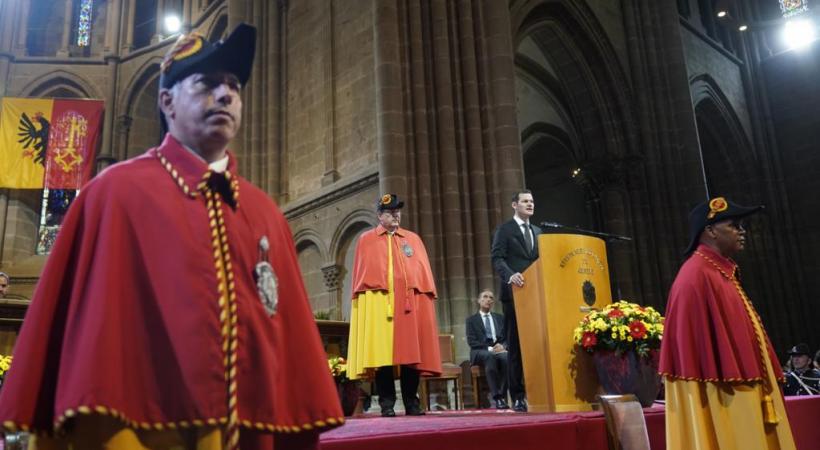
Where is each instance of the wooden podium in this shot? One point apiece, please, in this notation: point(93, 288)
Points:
point(570, 277)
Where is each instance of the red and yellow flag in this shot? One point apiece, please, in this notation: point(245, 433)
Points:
point(24, 124)
point(48, 142)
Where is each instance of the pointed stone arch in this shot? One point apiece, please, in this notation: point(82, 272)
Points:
point(592, 85)
point(729, 158)
point(342, 249)
point(62, 82)
point(564, 51)
point(312, 254)
point(138, 126)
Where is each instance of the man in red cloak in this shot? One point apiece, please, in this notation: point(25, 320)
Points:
point(393, 322)
point(721, 372)
point(171, 312)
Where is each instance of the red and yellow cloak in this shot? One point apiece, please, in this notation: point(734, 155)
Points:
point(409, 323)
point(147, 311)
point(708, 334)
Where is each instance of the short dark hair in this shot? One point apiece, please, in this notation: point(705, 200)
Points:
point(518, 193)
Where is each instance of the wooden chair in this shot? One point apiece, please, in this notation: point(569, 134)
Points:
point(625, 422)
point(450, 371)
point(476, 375)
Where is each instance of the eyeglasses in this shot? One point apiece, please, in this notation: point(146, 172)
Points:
point(737, 225)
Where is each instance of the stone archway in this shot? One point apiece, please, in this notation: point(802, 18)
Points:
point(577, 125)
point(549, 164)
point(60, 83)
point(312, 255)
point(344, 249)
point(139, 127)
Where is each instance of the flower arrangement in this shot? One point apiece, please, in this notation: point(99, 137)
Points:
point(5, 364)
point(338, 368)
point(621, 326)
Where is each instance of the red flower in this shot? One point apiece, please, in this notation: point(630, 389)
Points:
point(615, 313)
point(637, 330)
point(589, 339)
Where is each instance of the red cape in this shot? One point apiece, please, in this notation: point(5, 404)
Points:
point(415, 332)
point(370, 264)
point(125, 320)
point(708, 333)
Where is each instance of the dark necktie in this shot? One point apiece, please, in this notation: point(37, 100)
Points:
point(527, 237)
point(488, 331)
point(219, 183)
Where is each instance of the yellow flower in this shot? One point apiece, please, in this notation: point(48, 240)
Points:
point(612, 325)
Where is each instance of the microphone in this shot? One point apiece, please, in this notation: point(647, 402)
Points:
point(551, 225)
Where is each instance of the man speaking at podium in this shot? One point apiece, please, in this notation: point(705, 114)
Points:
point(514, 248)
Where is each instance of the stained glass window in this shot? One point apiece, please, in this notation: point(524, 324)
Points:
point(84, 23)
point(55, 206)
point(793, 7)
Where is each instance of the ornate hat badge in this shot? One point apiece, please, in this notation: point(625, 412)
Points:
point(716, 205)
point(184, 47)
point(389, 201)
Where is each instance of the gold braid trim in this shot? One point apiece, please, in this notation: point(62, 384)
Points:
point(175, 175)
point(712, 380)
point(769, 414)
point(70, 413)
point(226, 287)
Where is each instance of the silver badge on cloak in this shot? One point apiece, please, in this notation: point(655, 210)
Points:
point(408, 251)
point(266, 283)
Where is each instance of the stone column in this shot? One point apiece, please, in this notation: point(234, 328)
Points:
point(21, 41)
point(67, 22)
point(112, 27)
point(187, 16)
point(122, 127)
point(455, 154)
point(159, 31)
point(8, 17)
point(331, 274)
point(112, 60)
point(128, 20)
point(328, 80)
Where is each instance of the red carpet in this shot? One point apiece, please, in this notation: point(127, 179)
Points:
point(475, 429)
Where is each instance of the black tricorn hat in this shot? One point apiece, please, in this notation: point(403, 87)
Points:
point(192, 53)
point(800, 349)
point(715, 210)
point(389, 201)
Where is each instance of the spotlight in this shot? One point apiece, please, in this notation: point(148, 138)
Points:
point(722, 14)
point(799, 33)
point(172, 24)
point(576, 172)
point(743, 27)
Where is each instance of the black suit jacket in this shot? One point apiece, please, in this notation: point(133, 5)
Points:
point(510, 254)
point(476, 337)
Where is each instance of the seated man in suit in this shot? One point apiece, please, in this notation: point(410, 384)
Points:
point(488, 347)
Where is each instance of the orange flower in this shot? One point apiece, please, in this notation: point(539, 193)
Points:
point(637, 329)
